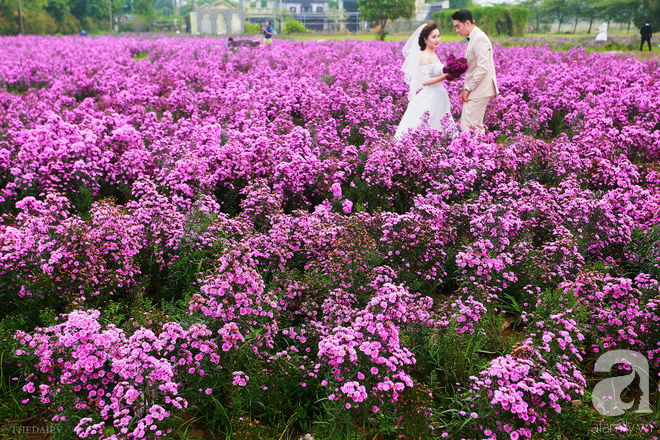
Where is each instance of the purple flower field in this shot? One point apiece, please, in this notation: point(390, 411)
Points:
point(230, 240)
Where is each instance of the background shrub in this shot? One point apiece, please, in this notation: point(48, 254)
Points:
point(494, 20)
point(294, 27)
point(252, 28)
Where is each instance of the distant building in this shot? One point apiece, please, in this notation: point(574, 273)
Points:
point(353, 21)
point(220, 18)
point(123, 18)
point(424, 11)
point(298, 6)
point(311, 13)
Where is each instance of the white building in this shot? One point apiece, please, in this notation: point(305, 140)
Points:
point(424, 11)
point(220, 18)
point(302, 6)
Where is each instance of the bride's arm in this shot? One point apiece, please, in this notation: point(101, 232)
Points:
point(435, 80)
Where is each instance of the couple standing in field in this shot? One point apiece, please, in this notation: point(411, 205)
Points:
point(424, 70)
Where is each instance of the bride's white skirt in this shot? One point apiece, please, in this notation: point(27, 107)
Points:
point(432, 99)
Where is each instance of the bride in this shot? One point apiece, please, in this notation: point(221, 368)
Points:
point(423, 70)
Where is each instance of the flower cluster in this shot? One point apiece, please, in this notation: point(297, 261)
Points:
point(525, 393)
point(130, 382)
point(454, 67)
point(255, 198)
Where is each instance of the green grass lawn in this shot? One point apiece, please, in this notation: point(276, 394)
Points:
point(646, 55)
point(366, 36)
point(582, 34)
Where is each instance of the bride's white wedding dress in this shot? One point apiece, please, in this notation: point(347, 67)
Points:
point(432, 99)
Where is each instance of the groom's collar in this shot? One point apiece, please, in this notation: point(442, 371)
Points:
point(472, 34)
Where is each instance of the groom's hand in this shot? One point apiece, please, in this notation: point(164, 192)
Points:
point(464, 95)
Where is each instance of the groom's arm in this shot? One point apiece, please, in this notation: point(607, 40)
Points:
point(482, 54)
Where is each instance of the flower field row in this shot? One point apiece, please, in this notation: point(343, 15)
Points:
point(233, 233)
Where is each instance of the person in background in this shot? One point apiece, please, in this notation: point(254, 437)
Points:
point(602, 32)
point(646, 33)
point(268, 33)
point(480, 83)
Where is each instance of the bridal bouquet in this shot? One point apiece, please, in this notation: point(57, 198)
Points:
point(454, 68)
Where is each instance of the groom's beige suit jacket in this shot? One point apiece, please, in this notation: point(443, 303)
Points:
point(480, 76)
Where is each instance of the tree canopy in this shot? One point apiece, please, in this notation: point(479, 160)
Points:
point(461, 4)
point(381, 11)
point(560, 13)
point(65, 16)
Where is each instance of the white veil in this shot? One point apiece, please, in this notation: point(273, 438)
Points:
point(412, 52)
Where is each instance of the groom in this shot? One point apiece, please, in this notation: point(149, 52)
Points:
point(480, 83)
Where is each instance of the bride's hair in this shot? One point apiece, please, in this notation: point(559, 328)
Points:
point(426, 31)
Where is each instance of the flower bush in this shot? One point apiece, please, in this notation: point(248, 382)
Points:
point(127, 384)
point(524, 395)
point(234, 231)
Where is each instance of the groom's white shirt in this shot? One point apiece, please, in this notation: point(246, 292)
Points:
point(480, 78)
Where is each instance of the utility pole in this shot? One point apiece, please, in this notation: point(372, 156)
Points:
point(244, 15)
point(110, 8)
point(20, 19)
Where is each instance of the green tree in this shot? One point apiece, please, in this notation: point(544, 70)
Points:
point(494, 20)
point(591, 11)
point(381, 11)
point(145, 9)
point(98, 9)
point(186, 9)
point(56, 16)
point(538, 17)
point(165, 7)
point(557, 9)
point(34, 5)
point(578, 9)
point(461, 4)
point(79, 10)
point(35, 18)
point(619, 11)
point(8, 17)
point(38, 22)
point(68, 25)
point(632, 10)
point(651, 12)
point(58, 9)
point(92, 12)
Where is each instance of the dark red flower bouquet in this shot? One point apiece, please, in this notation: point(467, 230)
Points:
point(454, 68)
